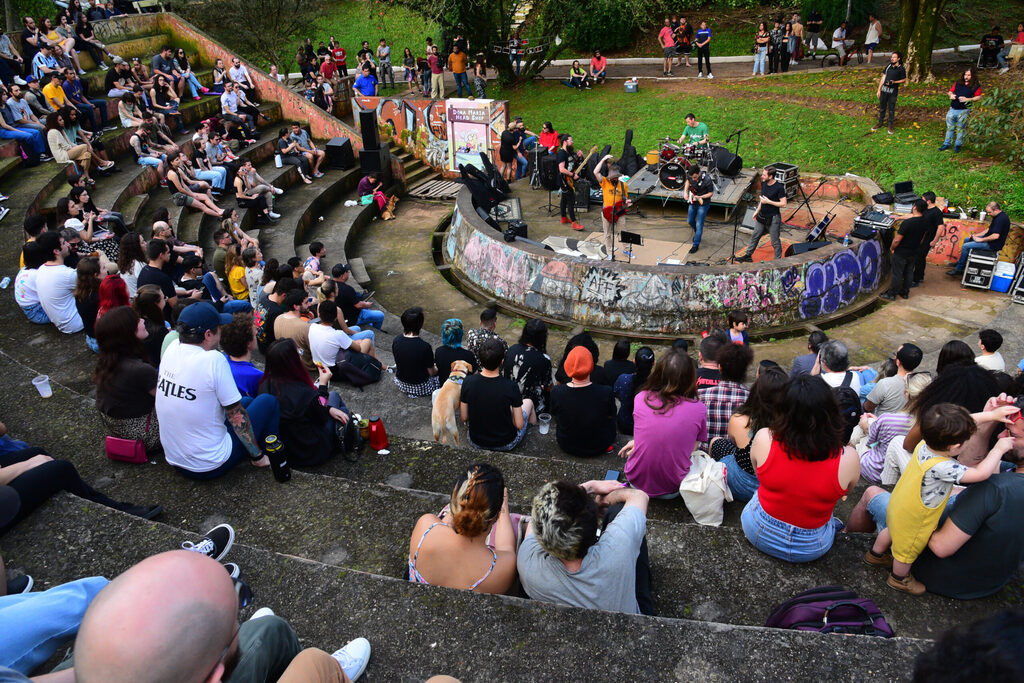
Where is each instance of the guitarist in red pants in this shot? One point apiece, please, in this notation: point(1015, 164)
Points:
point(616, 202)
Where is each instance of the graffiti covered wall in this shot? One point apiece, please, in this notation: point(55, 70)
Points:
point(952, 234)
point(665, 300)
point(421, 126)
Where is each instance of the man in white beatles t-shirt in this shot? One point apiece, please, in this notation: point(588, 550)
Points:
point(206, 427)
point(55, 284)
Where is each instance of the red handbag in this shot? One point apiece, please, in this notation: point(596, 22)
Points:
point(128, 450)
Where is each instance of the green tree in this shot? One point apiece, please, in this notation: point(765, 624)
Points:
point(918, 22)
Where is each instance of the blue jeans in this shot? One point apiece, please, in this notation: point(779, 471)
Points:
point(368, 316)
point(216, 177)
point(265, 417)
point(194, 85)
point(956, 122)
point(362, 334)
point(965, 253)
point(88, 111)
point(460, 81)
point(30, 137)
point(35, 314)
point(521, 166)
point(1001, 57)
point(695, 217)
point(34, 625)
point(529, 141)
point(518, 61)
point(759, 59)
point(742, 484)
point(785, 541)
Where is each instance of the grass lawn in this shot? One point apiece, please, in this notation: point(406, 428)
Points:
point(818, 139)
point(852, 85)
point(351, 22)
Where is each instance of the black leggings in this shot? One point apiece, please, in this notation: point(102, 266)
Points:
point(705, 54)
point(569, 204)
point(37, 485)
point(299, 160)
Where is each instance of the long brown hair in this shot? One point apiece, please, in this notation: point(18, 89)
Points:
point(88, 285)
point(146, 305)
point(115, 335)
point(673, 379)
point(232, 260)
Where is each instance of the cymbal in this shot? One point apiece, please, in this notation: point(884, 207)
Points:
point(667, 139)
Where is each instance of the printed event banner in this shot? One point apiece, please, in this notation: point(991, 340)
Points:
point(469, 123)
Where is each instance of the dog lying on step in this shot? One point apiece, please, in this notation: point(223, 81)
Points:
point(446, 405)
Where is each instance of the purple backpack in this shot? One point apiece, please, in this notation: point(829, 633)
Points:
point(830, 609)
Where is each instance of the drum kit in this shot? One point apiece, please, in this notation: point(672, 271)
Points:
point(671, 161)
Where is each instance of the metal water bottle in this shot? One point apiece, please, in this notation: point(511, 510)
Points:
point(274, 449)
point(378, 437)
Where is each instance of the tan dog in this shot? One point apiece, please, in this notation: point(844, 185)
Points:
point(446, 405)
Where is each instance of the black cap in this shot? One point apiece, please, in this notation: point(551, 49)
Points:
point(340, 269)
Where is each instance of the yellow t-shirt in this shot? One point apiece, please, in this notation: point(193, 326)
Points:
point(236, 280)
point(613, 192)
point(54, 94)
point(458, 62)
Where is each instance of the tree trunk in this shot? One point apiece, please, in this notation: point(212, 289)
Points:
point(908, 17)
point(918, 58)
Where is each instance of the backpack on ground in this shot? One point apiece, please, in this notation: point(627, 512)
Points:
point(849, 404)
point(359, 369)
point(830, 609)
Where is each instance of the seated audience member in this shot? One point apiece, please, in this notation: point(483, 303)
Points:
point(234, 268)
point(989, 342)
point(585, 411)
point(169, 644)
point(478, 335)
point(292, 324)
point(548, 138)
point(620, 364)
point(833, 366)
point(71, 214)
point(415, 369)
point(758, 412)
point(738, 322)
point(326, 342)
point(708, 373)
point(528, 365)
point(25, 292)
point(328, 291)
point(869, 378)
point(151, 306)
point(598, 68)
point(627, 386)
point(238, 341)
point(206, 426)
point(471, 544)
point(311, 415)
point(55, 284)
point(307, 148)
point(919, 498)
point(131, 259)
point(952, 354)
point(267, 310)
point(877, 435)
point(889, 394)
point(87, 297)
point(802, 365)
point(598, 376)
point(803, 468)
point(564, 560)
point(497, 414)
point(723, 399)
point(668, 423)
point(252, 260)
point(451, 350)
point(125, 382)
point(290, 154)
point(36, 476)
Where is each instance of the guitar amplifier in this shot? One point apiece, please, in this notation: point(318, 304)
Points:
point(582, 195)
point(786, 172)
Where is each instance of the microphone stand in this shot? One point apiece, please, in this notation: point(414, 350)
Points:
point(738, 135)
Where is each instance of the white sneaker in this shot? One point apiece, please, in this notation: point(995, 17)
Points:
point(354, 657)
point(18, 80)
point(262, 612)
point(278, 190)
point(104, 66)
point(711, 76)
point(700, 75)
point(273, 215)
point(1004, 70)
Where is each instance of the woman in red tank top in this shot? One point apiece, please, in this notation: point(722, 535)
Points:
point(803, 468)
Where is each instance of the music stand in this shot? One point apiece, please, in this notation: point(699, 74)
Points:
point(626, 237)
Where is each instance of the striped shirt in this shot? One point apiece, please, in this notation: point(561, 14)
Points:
point(882, 431)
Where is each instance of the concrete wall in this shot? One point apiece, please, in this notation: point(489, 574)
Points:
point(667, 300)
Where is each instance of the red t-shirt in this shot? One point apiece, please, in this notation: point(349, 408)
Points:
point(1019, 38)
point(597, 65)
point(434, 62)
point(328, 69)
point(666, 37)
point(339, 56)
point(549, 140)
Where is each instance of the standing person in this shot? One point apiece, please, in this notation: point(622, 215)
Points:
point(515, 51)
point(768, 214)
point(889, 89)
point(703, 38)
point(566, 172)
point(409, 65)
point(668, 47)
point(934, 218)
point(964, 90)
point(796, 38)
point(777, 37)
point(814, 24)
point(340, 57)
point(614, 195)
point(436, 74)
point(480, 77)
point(874, 35)
point(384, 59)
point(991, 241)
point(904, 251)
point(699, 190)
point(787, 33)
point(684, 39)
point(761, 40)
point(458, 64)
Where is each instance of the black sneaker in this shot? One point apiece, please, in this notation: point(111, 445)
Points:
point(232, 569)
point(20, 584)
point(916, 284)
point(216, 543)
point(904, 296)
point(954, 273)
point(746, 258)
point(694, 248)
point(889, 297)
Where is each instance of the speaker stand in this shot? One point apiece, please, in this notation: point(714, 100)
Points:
point(735, 230)
point(807, 202)
point(549, 208)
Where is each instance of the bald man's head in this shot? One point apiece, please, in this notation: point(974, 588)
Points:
point(168, 618)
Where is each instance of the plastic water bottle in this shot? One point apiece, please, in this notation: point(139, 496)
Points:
point(277, 160)
point(846, 240)
point(278, 460)
point(5, 283)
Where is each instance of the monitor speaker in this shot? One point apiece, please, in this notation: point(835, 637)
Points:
point(549, 172)
point(375, 161)
point(339, 154)
point(728, 163)
point(804, 247)
point(368, 128)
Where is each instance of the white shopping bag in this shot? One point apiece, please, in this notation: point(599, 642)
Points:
point(704, 490)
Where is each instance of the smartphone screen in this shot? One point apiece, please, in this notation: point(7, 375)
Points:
point(611, 475)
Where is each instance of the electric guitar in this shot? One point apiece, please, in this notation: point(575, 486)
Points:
point(618, 209)
point(570, 180)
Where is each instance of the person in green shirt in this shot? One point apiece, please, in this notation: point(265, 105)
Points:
point(695, 131)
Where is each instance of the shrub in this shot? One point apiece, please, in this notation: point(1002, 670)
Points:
point(833, 12)
point(37, 9)
point(997, 124)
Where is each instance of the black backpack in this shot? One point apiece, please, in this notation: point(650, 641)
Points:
point(849, 404)
point(359, 369)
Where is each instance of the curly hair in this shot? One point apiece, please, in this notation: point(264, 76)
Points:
point(477, 499)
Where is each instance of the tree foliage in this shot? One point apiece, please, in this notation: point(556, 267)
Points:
point(997, 124)
point(260, 29)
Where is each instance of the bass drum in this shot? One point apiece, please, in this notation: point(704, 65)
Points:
point(673, 176)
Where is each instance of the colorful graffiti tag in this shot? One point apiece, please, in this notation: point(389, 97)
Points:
point(837, 281)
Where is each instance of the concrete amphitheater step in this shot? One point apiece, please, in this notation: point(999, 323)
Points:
point(8, 164)
point(494, 637)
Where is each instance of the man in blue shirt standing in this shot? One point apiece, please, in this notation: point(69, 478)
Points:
point(366, 84)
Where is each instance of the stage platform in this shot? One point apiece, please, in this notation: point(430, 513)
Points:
point(727, 197)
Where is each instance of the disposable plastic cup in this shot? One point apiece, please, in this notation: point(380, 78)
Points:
point(544, 420)
point(42, 384)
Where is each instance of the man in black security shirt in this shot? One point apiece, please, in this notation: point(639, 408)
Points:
point(889, 89)
point(904, 251)
point(933, 218)
point(566, 159)
point(768, 215)
point(990, 242)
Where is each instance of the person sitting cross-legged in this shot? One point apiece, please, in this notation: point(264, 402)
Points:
point(415, 370)
point(497, 414)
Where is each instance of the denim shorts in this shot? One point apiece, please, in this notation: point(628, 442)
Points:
point(512, 444)
point(149, 161)
point(879, 506)
point(742, 484)
point(785, 541)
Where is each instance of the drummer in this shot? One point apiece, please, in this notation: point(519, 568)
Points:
point(696, 132)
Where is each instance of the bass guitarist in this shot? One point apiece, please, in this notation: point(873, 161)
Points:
point(567, 174)
point(698, 192)
point(616, 202)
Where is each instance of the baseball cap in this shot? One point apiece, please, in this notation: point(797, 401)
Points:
point(30, 79)
point(579, 363)
point(340, 269)
point(202, 316)
point(117, 60)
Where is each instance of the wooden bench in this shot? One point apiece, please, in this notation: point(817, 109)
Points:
point(1016, 54)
